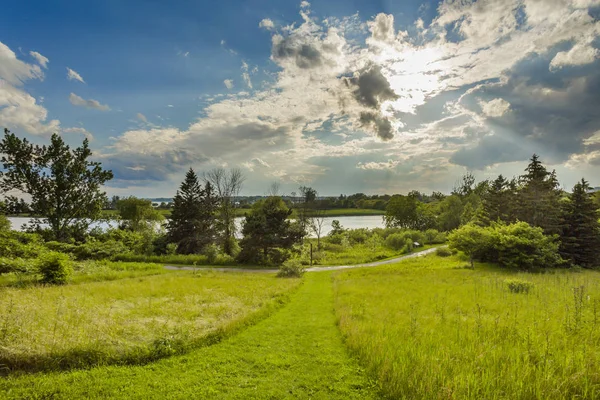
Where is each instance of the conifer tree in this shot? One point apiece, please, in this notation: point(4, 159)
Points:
point(580, 239)
point(192, 224)
point(539, 197)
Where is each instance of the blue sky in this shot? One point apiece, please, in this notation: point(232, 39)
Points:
point(345, 96)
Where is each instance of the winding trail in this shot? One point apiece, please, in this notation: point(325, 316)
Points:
point(311, 269)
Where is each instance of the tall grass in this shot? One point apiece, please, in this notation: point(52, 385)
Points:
point(129, 321)
point(429, 328)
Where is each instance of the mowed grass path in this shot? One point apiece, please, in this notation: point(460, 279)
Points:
point(297, 353)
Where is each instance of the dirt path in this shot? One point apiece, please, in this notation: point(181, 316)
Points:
point(311, 269)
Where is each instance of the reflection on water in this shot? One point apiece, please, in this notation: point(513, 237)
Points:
point(354, 222)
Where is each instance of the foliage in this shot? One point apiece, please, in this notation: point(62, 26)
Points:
point(292, 268)
point(516, 245)
point(193, 225)
point(55, 268)
point(268, 234)
point(538, 197)
point(518, 285)
point(138, 214)
point(580, 239)
point(395, 241)
point(211, 252)
point(227, 185)
point(63, 184)
point(402, 212)
point(336, 228)
point(443, 252)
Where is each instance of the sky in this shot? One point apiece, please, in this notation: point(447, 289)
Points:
point(344, 96)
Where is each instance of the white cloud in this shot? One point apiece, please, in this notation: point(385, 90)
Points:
point(81, 102)
point(18, 109)
point(304, 4)
point(228, 83)
point(494, 108)
point(580, 54)
point(246, 75)
point(390, 164)
point(170, 106)
point(43, 61)
point(266, 24)
point(81, 131)
point(141, 117)
point(318, 91)
point(73, 75)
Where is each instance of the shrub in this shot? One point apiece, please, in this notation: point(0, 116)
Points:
point(211, 252)
point(408, 245)
point(519, 286)
point(443, 252)
point(517, 245)
point(15, 265)
point(358, 235)
point(291, 269)
point(395, 241)
point(432, 236)
point(55, 268)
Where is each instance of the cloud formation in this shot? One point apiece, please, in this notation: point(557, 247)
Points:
point(91, 103)
point(18, 109)
point(43, 61)
point(73, 75)
point(482, 84)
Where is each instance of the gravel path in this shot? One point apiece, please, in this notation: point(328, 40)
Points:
point(311, 269)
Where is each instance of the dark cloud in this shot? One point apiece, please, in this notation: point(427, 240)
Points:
point(305, 55)
point(490, 150)
point(551, 113)
point(372, 88)
point(381, 125)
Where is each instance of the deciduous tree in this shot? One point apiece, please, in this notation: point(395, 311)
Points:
point(64, 185)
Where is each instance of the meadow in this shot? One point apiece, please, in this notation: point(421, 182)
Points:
point(124, 313)
point(431, 328)
point(297, 353)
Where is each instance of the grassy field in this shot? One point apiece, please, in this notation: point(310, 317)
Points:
point(429, 328)
point(131, 320)
point(297, 353)
point(240, 212)
point(331, 254)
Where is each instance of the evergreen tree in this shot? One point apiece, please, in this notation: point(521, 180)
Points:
point(580, 239)
point(268, 233)
point(539, 197)
point(192, 224)
point(494, 201)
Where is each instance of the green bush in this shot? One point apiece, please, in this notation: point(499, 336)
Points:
point(433, 236)
point(14, 265)
point(55, 268)
point(518, 245)
point(519, 286)
point(358, 235)
point(211, 252)
point(443, 252)
point(408, 245)
point(395, 241)
point(21, 245)
point(291, 269)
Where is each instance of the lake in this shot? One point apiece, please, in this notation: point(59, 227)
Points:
point(350, 222)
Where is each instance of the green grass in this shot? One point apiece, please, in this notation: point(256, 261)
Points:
point(297, 353)
point(429, 328)
point(131, 320)
point(177, 259)
point(89, 271)
point(332, 254)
